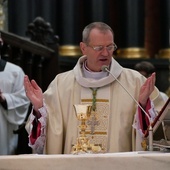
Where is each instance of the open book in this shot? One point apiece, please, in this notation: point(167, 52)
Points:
point(163, 116)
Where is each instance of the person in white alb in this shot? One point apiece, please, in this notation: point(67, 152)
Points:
point(14, 105)
point(52, 124)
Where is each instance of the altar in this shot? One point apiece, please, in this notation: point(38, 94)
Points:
point(108, 161)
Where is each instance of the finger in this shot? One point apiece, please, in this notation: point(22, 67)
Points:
point(35, 85)
point(26, 80)
point(154, 78)
point(152, 82)
point(27, 84)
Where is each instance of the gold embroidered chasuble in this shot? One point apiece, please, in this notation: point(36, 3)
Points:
point(98, 123)
point(115, 109)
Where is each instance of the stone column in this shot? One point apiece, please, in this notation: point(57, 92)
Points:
point(75, 15)
point(131, 15)
point(99, 10)
point(152, 27)
point(165, 29)
point(70, 28)
point(164, 52)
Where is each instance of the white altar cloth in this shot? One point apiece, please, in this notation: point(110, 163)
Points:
point(108, 161)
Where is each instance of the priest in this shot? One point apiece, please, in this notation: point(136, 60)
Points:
point(115, 116)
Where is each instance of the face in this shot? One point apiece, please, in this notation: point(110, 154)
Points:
point(97, 58)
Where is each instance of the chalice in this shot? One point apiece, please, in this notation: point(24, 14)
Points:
point(82, 145)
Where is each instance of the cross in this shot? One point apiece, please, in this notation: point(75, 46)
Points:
point(93, 123)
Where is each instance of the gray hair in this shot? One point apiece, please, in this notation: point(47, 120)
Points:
point(98, 25)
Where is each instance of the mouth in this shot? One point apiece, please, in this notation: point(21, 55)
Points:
point(103, 60)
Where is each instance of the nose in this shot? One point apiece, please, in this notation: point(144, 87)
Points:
point(105, 51)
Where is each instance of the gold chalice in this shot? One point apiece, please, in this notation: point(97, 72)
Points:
point(83, 113)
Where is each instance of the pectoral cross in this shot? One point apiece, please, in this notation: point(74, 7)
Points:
point(93, 122)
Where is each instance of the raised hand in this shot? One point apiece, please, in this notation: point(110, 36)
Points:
point(147, 89)
point(34, 93)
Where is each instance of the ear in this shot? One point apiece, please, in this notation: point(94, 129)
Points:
point(83, 47)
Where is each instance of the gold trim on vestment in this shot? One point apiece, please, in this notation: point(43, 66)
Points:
point(97, 100)
point(100, 133)
point(96, 133)
point(98, 124)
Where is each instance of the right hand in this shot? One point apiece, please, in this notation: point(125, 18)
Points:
point(33, 92)
point(146, 90)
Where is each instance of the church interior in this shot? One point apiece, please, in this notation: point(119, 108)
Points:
point(141, 28)
point(42, 36)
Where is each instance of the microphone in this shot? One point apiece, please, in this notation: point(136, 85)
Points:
point(106, 69)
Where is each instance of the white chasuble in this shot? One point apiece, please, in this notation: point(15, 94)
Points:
point(112, 125)
point(98, 123)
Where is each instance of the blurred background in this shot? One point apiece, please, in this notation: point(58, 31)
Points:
point(141, 27)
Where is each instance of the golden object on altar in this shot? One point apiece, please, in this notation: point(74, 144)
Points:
point(83, 144)
point(144, 144)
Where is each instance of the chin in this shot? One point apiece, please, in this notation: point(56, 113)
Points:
point(104, 63)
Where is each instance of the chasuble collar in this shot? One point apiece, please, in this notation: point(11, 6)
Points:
point(78, 70)
point(92, 75)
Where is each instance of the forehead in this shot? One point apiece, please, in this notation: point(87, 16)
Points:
point(101, 36)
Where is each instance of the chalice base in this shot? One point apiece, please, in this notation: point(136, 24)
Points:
point(83, 146)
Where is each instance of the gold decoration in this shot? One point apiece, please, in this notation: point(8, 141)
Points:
point(1, 17)
point(144, 144)
point(83, 145)
point(164, 53)
point(69, 50)
point(132, 52)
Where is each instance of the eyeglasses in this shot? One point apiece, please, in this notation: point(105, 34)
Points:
point(112, 47)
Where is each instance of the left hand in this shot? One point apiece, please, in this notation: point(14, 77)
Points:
point(146, 90)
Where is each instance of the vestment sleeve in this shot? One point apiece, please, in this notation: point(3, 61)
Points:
point(141, 123)
point(36, 129)
point(141, 119)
